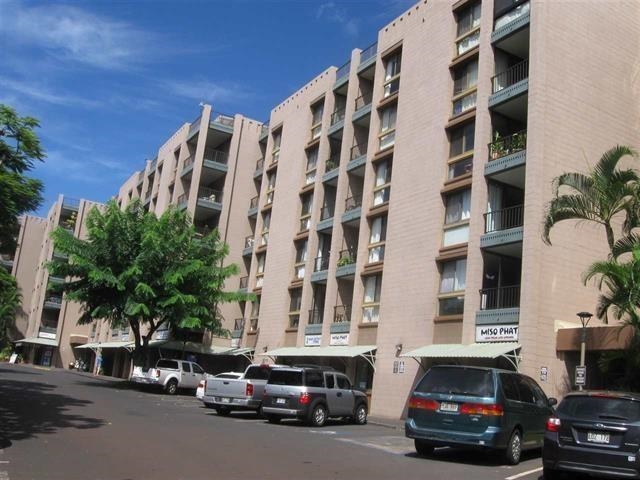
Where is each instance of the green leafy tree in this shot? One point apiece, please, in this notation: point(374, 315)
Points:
point(10, 299)
point(601, 195)
point(143, 271)
point(19, 194)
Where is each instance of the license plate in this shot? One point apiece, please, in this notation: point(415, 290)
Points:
point(448, 407)
point(225, 400)
point(594, 437)
point(281, 400)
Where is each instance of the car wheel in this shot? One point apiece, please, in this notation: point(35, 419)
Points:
point(273, 419)
point(423, 448)
point(318, 416)
point(223, 411)
point(514, 448)
point(550, 474)
point(360, 415)
point(172, 387)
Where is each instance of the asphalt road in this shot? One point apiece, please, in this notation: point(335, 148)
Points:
point(61, 424)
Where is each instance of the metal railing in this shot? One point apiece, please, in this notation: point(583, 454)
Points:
point(217, 156)
point(337, 116)
point(244, 282)
point(352, 203)
point(326, 212)
point(511, 76)
point(369, 52)
point(209, 194)
point(68, 202)
point(188, 161)
point(222, 119)
point(260, 164)
point(346, 257)
point(315, 316)
point(264, 129)
point(202, 230)
point(363, 101)
point(341, 313)
point(502, 146)
point(53, 299)
point(332, 162)
point(321, 263)
point(500, 297)
point(249, 241)
point(504, 219)
point(238, 324)
point(253, 203)
point(358, 151)
point(343, 71)
point(184, 198)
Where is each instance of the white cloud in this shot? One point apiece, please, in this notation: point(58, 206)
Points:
point(332, 13)
point(45, 94)
point(69, 33)
point(72, 166)
point(206, 90)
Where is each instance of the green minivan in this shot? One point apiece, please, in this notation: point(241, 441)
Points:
point(479, 407)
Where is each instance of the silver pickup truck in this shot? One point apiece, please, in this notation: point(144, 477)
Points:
point(227, 394)
point(170, 375)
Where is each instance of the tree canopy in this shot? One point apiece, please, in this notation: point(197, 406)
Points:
point(10, 299)
point(144, 271)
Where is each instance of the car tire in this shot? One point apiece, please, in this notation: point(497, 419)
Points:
point(550, 473)
point(514, 448)
point(273, 419)
point(423, 448)
point(223, 411)
point(171, 387)
point(318, 415)
point(360, 414)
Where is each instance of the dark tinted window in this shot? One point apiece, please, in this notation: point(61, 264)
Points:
point(343, 382)
point(328, 378)
point(525, 391)
point(286, 377)
point(186, 367)
point(600, 408)
point(227, 375)
point(314, 378)
point(197, 368)
point(541, 398)
point(167, 364)
point(260, 372)
point(461, 381)
point(509, 386)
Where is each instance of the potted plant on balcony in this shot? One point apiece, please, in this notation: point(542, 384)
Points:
point(345, 260)
point(497, 146)
point(518, 141)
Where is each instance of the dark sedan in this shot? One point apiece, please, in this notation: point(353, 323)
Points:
point(596, 433)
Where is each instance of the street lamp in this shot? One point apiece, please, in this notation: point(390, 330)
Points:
point(584, 320)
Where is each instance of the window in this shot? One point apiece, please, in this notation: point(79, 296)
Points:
point(186, 367)
point(329, 380)
point(271, 185)
point(462, 139)
point(388, 127)
point(294, 307)
point(343, 382)
point(301, 258)
point(468, 19)
point(465, 103)
point(260, 271)
point(314, 378)
point(452, 285)
point(305, 211)
point(197, 368)
point(275, 154)
point(382, 187)
point(169, 364)
point(312, 161)
point(316, 119)
point(371, 300)
point(266, 221)
point(392, 75)
point(465, 77)
point(377, 239)
point(458, 207)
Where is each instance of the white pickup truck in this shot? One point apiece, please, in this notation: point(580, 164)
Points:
point(170, 375)
point(227, 394)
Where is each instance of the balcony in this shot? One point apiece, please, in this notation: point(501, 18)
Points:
point(499, 305)
point(342, 75)
point(346, 264)
point(257, 173)
point(140, 179)
point(253, 207)
point(503, 229)
point(53, 302)
point(209, 202)
point(357, 159)
point(337, 123)
point(509, 86)
point(248, 246)
point(326, 219)
point(7, 261)
point(331, 169)
point(238, 328)
point(182, 201)
point(243, 284)
point(368, 58)
point(320, 267)
point(221, 123)
point(264, 133)
point(341, 319)
point(352, 211)
point(509, 31)
point(362, 113)
point(507, 159)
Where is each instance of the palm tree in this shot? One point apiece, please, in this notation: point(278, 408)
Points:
point(597, 197)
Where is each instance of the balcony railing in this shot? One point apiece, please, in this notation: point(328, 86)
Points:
point(315, 316)
point(238, 324)
point(332, 162)
point(260, 164)
point(321, 263)
point(216, 156)
point(501, 297)
point(253, 203)
point(249, 241)
point(184, 198)
point(203, 230)
point(343, 71)
point(362, 101)
point(72, 203)
point(346, 257)
point(502, 146)
point(326, 212)
point(511, 15)
point(352, 203)
point(337, 116)
point(368, 52)
point(358, 151)
point(341, 313)
point(511, 76)
point(53, 299)
point(503, 219)
point(209, 195)
point(244, 282)
point(222, 119)
point(187, 161)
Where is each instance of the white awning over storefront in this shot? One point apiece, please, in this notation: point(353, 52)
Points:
point(38, 341)
point(364, 351)
point(507, 350)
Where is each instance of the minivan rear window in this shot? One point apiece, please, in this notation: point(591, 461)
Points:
point(600, 408)
point(457, 381)
point(286, 377)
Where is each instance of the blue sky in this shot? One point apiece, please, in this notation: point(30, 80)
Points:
point(111, 80)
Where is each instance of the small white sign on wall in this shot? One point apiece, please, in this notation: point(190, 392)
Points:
point(312, 340)
point(339, 339)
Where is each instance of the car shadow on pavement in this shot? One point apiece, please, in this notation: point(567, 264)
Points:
point(473, 457)
point(28, 409)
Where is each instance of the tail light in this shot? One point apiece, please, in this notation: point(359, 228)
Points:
point(423, 403)
point(249, 390)
point(202, 384)
point(553, 424)
point(157, 373)
point(487, 410)
point(304, 399)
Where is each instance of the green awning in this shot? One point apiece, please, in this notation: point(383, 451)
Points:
point(473, 350)
point(38, 341)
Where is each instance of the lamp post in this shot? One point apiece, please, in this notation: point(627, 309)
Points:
point(584, 320)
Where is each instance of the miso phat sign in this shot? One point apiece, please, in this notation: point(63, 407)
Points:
point(497, 333)
point(339, 339)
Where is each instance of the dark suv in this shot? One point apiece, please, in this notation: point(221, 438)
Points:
point(312, 394)
point(478, 407)
point(596, 433)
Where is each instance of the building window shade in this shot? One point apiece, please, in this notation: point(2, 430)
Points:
point(458, 207)
point(453, 278)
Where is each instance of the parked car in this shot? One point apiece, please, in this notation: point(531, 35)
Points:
point(596, 433)
point(245, 393)
point(312, 394)
point(170, 374)
point(203, 382)
point(478, 407)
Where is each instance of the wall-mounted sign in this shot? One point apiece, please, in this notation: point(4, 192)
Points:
point(235, 342)
point(581, 376)
point(51, 336)
point(496, 333)
point(312, 340)
point(544, 373)
point(339, 339)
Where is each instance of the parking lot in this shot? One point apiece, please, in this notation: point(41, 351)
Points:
point(64, 424)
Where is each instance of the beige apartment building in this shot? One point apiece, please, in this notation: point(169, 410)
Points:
point(389, 216)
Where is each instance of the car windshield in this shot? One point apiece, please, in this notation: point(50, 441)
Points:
point(600, 408)
point(286, 377)
point(457, 381)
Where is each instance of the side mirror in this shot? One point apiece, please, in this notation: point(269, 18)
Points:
point(553, 401)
